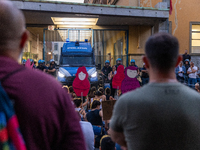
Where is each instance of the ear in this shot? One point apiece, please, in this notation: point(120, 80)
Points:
point(180, 58)
point(146, 61)
point(24, 38)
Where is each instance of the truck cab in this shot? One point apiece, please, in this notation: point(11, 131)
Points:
point(75, 55)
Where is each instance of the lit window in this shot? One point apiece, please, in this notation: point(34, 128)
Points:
point(195, 38)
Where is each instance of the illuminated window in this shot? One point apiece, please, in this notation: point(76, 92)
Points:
point(195, 38)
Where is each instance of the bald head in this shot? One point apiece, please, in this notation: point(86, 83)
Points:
point(12, 27)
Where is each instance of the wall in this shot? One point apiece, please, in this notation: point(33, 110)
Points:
point(183, 13)
point(110, 45)
point(137, 38)
point(34, 46)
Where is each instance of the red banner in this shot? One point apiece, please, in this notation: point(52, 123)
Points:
point(170, 10)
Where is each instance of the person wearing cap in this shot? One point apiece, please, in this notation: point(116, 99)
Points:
point(145, 75)
point(187, 65)
point(41, 66)
point(186, 56)
point(45, 67)
point(192, 74)
point(132, 63)
point(23, 62)
point(119, 62)
point(106, 69)
point(52, 68)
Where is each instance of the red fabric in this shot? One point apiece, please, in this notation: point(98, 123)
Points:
point(118, 78)
point(15, 136)
point(170, 10)
point(3, 135)
point(81, 86)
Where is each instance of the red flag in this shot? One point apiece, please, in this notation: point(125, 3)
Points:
point(170, 9)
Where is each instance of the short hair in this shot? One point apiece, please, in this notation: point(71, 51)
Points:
point(108, 91)
point(71, 90)
point(98, 93)
point(162, 50)
point(106, 143)
point(66, 88)
point(95, 103)
point(77, 102)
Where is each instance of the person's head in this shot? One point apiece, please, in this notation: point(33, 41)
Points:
point(95, 104)
point(32, 61)
point(162, 53)
point(52, 62)
point(101, 90)
point(108, 91)
point(181, 64)
point(13, 35)
point(43, 62)
point(23, 61)
point(66, 88)
point(132, 62)
point(106, 143)
point(93, 89)
point(113, 68)
point(107, 63)
point(92, 92)
point(71, 90)
point(192, 64)
point(98, 93)
point(187, 61)
point(186, 51)
point(40, 63)
point(119, 61)
point(77, 102)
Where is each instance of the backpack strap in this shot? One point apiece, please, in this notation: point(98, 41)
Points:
point(11, 73)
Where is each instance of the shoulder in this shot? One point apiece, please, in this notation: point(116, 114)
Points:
point(131, 97)
point(85, 123)
point(39, 81)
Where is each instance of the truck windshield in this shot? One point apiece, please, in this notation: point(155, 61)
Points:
point(77, 60)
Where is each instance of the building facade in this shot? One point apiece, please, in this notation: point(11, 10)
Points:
point(184, 22)
point(114, 31)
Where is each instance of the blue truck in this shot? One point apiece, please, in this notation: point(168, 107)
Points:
point(74, 55)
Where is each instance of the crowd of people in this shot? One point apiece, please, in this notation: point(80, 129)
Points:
point(109, 72)
point(164, 114)
point(187, 72)
point(51, 69)
point(89, 110)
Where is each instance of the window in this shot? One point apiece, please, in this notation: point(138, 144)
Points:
point(56, 57)
point(195, 38)
point(55, 46)
point(77, 60)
